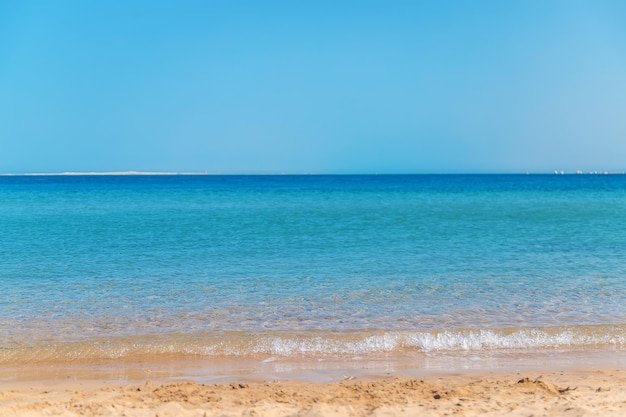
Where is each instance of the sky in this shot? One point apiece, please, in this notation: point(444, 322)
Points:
point(267, 87)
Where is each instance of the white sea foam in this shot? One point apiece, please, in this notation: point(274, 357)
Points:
point(478, 340)
point(315, 344)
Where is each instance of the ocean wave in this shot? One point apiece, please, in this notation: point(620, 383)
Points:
point(318, 344)
point(471, 340)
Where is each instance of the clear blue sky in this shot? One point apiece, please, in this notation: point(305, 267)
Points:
point(312, 86)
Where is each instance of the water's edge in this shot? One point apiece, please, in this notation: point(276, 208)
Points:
point(317, 345)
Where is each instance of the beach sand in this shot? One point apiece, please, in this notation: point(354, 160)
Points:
point(588, 392)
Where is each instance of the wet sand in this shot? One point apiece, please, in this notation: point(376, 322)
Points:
point(542, 383)
point(554, 393)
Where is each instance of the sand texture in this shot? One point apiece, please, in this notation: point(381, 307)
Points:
point(580, 393)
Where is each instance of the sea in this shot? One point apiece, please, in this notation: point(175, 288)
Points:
point(315, 267)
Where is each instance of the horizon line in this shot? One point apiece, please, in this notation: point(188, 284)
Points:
point(202, 173)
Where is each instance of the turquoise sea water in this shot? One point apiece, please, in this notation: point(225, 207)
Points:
point(110, 266)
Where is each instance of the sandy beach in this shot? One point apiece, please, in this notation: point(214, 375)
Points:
point(467, 295)
point(555, 393)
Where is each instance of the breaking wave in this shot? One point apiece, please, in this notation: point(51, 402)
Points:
point(317, 344)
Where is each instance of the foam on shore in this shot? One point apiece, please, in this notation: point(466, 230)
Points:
point(316, 344)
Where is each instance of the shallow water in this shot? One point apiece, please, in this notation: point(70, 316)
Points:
point(309, 265)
